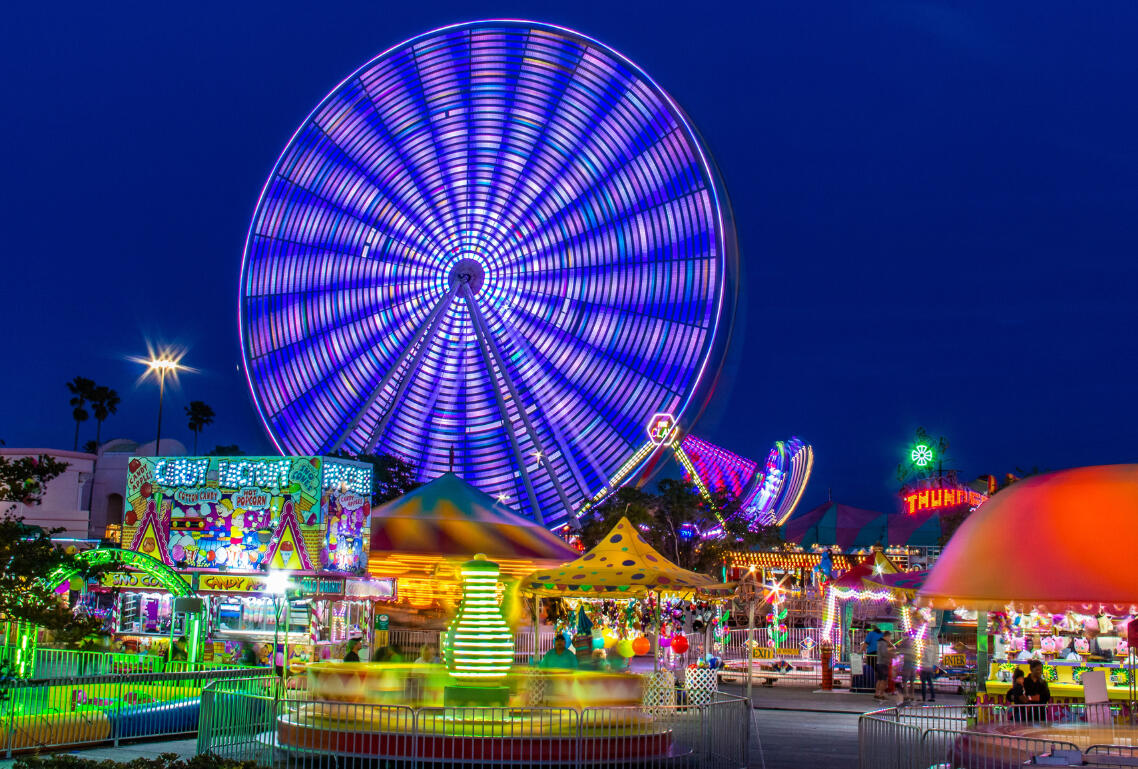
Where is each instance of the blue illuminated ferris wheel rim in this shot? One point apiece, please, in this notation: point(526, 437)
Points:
point(498, 242)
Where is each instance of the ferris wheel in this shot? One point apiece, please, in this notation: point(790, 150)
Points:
point(497, 248)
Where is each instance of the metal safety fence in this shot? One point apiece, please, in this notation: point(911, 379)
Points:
point(996, 737)
point(44, 713)
point(66, 663)
point(248, 720)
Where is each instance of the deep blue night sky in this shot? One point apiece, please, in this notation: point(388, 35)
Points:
point(936, 203)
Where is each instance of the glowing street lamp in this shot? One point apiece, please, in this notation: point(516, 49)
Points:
point(160, 365)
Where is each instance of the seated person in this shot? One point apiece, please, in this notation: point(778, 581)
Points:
point(559, 657)
point(427, 655)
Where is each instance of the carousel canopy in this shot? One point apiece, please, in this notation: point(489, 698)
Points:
point(904, 583)
point(623, 565)
point(877, 564)
point(1055, 541)
point(853, 527)
point(450, 518)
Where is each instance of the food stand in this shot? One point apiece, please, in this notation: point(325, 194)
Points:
point(1031, 562)
point(226, 525)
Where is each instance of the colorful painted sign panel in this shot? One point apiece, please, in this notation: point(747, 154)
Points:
point(249, 513)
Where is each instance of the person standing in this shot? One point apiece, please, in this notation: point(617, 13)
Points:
point(1035, 689)
point(870, 648)
point(930, 658)
point(1016, 696)
point(353, 651)
point(885, 654)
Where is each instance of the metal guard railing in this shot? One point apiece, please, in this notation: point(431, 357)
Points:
point(243, 720)
point(44, 713)
point(996, 736)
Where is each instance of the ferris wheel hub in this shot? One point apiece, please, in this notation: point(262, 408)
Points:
point(469, 271)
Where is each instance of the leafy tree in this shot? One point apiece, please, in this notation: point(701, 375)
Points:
point(81, 389)
point(24, 479)
point(199, 415)
point(224, 450)
point(29, 556)
point(104, 403)
point(91, 447)
point(671, 521)
point(392, 476)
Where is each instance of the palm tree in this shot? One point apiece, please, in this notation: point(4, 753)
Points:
point(199, 415)
point(81, 389)
point(104, 402)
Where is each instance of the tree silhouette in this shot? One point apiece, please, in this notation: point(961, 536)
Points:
point(226, 450)
point(671, 521)
point(81, 389)
point(392, 476)
point(200, 415)
point(104, 402)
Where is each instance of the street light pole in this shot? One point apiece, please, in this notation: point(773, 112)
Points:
point(161, 395)
point(161, 366)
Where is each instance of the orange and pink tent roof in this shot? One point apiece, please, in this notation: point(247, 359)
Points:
point(1057, 541)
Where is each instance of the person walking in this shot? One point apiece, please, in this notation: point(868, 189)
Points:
point(930, 658)
point(908, 667)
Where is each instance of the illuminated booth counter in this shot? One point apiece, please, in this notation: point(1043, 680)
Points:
point(1064, 679)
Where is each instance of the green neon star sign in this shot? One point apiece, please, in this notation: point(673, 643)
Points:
point(921, 455)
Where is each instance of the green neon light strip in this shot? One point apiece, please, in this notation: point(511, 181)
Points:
point(104, 556)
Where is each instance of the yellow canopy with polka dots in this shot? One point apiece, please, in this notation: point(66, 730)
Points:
point(623, 565)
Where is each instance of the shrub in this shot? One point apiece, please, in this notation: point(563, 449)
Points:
point(163, 761)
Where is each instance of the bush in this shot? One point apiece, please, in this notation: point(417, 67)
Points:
point(163, 761)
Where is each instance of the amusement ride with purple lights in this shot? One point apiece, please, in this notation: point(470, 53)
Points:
point(498, 248)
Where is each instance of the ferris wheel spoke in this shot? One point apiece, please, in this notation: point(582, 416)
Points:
point(588, 167)
point(419, 343)
point(633, 208)
point(617, 395)
point(507, 423)
point(588, 356)
point(544, 96)
point(542, 455)
point(408, 122)
point(350, 123)
point(405, 382)
point(328, 172)
point(541, 399)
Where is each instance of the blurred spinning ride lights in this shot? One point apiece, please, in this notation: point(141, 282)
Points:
point(479, 645)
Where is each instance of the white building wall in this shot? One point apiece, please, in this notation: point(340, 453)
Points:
point(66, 503)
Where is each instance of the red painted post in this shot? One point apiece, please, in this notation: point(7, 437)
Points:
point(827, 666)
